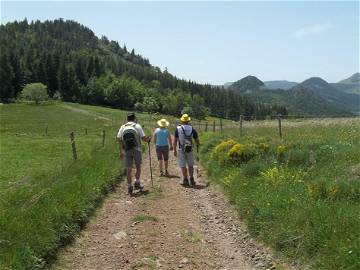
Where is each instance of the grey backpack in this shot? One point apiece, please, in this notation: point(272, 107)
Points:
point(188, 143)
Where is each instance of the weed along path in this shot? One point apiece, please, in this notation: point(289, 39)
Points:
point(165, 227)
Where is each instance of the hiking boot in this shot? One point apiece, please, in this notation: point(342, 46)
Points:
point(162, 173)
point(186, 182)
point(167, 173)
point(192, 182)
point(138, 185)
point(130, 190)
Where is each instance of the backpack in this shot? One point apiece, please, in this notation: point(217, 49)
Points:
point(188, 144)
point(129, 137)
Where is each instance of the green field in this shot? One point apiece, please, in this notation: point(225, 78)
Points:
point(46, 196)
point(300, 195)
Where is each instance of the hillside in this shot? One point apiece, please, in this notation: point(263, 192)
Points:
point(313, 96)
point(246, 84)
point(353, 79)
point(281, 84)
point(79, 67)
point(337, 99)
point(349, 85)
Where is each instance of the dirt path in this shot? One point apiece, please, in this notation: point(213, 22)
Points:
point(165, 227)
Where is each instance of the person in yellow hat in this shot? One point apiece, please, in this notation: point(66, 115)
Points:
point(162, 140)
point(183, 149)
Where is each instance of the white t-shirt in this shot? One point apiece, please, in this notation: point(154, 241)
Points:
point(138, 129)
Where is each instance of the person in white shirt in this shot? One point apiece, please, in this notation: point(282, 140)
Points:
point(183, 149)
point(130, 136)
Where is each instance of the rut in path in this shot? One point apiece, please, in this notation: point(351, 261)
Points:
point(165, 227)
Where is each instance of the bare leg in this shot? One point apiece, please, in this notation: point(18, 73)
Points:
point(161, 165)
point(191, 171)
point(184, 172)
point(138, 172)
point(166, 165)
point(128, 175)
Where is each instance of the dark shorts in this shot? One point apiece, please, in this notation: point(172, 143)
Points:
point(131, 156)
point(162, 152)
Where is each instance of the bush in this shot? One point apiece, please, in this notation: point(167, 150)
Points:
point(220, 151)
point(241, 153)
point(34, 92)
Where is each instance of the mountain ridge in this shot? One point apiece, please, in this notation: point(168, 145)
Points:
point(312, 96)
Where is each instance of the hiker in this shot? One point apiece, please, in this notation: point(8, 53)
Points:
point(183, 149)
point(162, 140)
point(129, 137)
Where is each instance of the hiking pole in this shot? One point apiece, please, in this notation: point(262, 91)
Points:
point(198, 161)
point(152, 182)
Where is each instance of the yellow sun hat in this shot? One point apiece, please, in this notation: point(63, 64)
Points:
point(163, 123)
point(185, 118)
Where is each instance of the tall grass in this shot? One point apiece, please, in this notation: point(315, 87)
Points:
point(301, 195)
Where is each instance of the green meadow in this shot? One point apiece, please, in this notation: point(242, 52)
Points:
point(301, 194)
point(46, 196)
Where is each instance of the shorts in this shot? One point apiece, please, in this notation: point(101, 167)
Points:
point(131, 156)
point(185, 159)
point(162, 152)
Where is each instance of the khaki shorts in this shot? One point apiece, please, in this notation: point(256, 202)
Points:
point(185, 159)
point(131, 156)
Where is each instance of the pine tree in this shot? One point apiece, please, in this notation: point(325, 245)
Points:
point(6, 78)
point(63, 82)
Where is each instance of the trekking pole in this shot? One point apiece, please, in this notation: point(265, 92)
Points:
point(152, 182)
point(198, 161)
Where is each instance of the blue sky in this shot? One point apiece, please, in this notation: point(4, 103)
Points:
point(217, 42)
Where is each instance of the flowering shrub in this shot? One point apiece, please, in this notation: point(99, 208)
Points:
point(241, 153)
point(335, 191)
point(271, 175)
point(281, 150)
point(220, 151)
point(264, 147)
point(277, 175)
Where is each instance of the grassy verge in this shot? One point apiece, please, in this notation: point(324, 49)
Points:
point(45, 196)
point(300, 195)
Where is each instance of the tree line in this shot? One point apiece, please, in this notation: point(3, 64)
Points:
point(77, 66)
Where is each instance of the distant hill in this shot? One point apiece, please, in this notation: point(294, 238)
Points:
point(247, 84)
point(350, 85)
point(313, 96)
point(301, 100)
point(333, 100)
point(283, 84)
point(353, 79)
point(226, 85)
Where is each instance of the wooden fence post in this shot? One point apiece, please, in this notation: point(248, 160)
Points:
point(280, 131)
point(73, 147)
point(221, 125)
point(206, 126)
point(241, 125)
point(46, 129)
point(103, 138)
point(214, 126)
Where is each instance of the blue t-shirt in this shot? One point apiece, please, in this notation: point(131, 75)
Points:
point(162, 135)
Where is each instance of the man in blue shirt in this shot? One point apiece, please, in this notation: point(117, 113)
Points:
point(183, 149)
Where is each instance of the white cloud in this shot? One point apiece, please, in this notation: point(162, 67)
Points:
point(312, 30)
